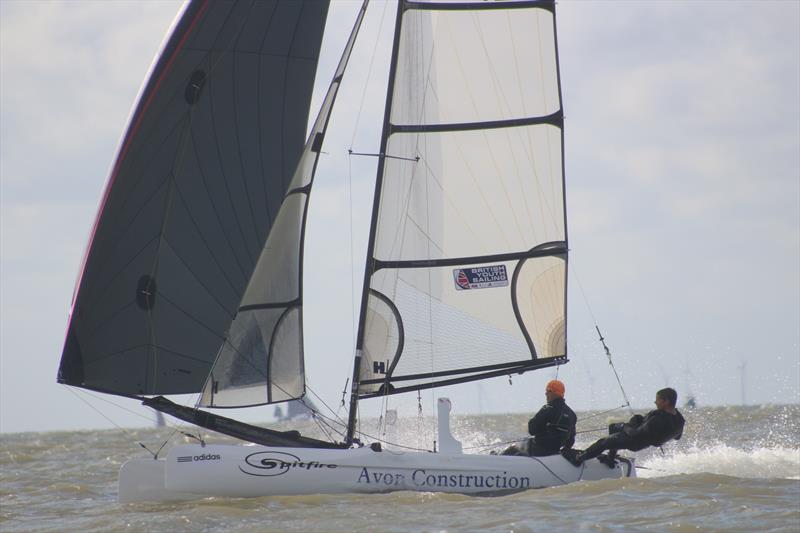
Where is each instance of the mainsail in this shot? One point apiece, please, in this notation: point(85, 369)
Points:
point(466, 261)
point(199, 177)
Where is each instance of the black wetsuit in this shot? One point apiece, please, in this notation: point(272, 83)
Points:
point(653, 430)
point(553, 427)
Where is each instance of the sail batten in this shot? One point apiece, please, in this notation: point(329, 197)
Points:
point(554, 119)
point(558, 248)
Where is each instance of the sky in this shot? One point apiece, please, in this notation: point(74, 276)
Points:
point(682, 139)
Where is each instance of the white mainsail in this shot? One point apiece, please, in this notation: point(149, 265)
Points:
point(466, 271)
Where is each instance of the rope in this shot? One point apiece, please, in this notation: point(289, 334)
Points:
point(317, 396)
point(602, 339)
point(590, 430)
point(369, 75)
point(493, 445)
point(374, 438)
point(96, 397)
point(604, 412)
point(127, 433)
point(616, 375)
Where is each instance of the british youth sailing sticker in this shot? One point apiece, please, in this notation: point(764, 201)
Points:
point(480, 277)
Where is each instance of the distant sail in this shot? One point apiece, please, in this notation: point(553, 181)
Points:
point(467, 272)
point(203, 167)
point(295, 410)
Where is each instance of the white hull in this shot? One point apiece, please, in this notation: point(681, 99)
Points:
point(195, 471)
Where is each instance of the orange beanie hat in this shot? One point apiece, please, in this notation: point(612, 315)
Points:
point(555, 387)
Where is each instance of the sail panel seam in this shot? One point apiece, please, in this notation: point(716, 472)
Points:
point(216, 209)
point(260, 128)
point(203, 239)
point(197, 278)
point(136, 347)
point(251, 52)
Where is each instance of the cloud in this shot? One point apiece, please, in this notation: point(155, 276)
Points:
point(70, 73)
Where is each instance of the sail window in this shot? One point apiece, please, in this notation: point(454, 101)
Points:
point(195, 86)
point(146, 292)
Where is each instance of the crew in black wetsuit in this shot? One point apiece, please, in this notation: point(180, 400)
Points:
point(660, 425)
point(552, 428)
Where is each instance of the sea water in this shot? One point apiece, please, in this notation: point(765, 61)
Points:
point(736, 469)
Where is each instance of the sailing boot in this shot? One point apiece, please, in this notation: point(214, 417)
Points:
point(573, 456)
point(609, 459)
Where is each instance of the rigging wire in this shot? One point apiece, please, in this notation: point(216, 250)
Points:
point(610, 362)
point(602, 341)
point(126, 432)
point(604, 412)
point(318, 397)
point(369, 75)
point(177, 428)
point(353, 330)
point(374, 438)
point(323, 425)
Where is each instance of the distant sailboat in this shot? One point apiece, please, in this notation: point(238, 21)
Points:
point(193, 279)
point(295, 410)
point(691, 400)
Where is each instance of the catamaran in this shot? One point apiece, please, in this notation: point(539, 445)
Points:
point(192, 282)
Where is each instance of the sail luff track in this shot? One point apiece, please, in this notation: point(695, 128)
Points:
point(563, 181)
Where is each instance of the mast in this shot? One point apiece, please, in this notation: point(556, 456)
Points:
point(370, 262)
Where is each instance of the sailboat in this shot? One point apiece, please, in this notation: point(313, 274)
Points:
point(295, 410)
point(192, 282)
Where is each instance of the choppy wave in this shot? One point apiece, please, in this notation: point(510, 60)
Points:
point(735, 470)
point(757, 463)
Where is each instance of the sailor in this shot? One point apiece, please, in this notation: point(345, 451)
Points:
point(552, 428)
point(661, 424)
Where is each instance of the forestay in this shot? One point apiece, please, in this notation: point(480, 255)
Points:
point(199, 176)
point(466, 270)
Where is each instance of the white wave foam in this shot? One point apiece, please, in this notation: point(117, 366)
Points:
point(773, 462)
